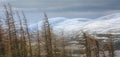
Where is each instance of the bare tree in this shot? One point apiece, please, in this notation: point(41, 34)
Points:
point(14, 49)
point(23, 50)
point(87, 45)
point(2, 44)
point(111, 48)
point(63, 46)
point(47, 36)
point(27, 33)
point(38, 40)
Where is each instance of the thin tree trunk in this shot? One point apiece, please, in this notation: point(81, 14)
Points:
point(38, 36)
point(28, 34)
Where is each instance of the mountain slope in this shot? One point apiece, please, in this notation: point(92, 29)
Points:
point(109, 23)
point(63, 24)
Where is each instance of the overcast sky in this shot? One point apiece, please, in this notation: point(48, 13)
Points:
point(64, 8)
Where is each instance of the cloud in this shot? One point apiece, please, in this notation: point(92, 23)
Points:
point(67, 8)
point(56, 4)
point(4, 1)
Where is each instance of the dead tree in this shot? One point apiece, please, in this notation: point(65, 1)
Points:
point(55, 48)
point(47, 36)
point(63, 46)
point(14, 50)
point(38, 40)
point(23, 50)
point(97, 47)
point(28, 34)
point(2, 44)
point(103, 50)
point(87, 45)
point(111, 48)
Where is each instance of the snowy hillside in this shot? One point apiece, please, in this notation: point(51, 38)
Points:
point(109, 23)
point(64, 24)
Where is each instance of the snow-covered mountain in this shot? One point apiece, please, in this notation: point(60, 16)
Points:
point(109, 23)
point(105, 24)
point(61, 24)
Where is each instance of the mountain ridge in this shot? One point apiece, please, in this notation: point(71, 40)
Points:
point(102, 24)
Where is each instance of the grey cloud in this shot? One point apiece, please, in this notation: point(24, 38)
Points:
point(67, 8)
point(66, 5)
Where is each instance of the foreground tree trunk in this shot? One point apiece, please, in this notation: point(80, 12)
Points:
point(38, 40)
point(13, 40)
point(47, 36)
point(28, 35)
point(23, 49)
point(87, 45)
point(2, 43)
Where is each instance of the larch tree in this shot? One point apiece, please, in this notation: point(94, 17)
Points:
point(28, 34)
point(47, 36)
